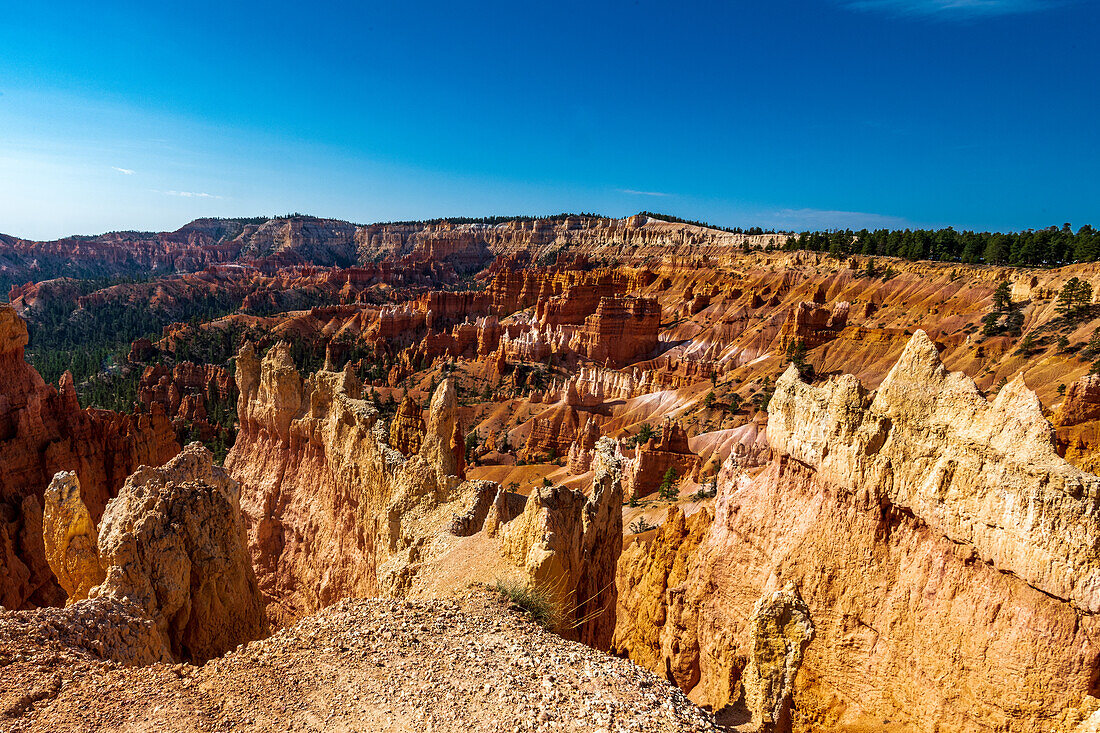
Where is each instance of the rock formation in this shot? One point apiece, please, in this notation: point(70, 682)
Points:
point(183, 391)
point(569, 546)
point(781, 630)
point(924, 443)
point(172, 541)
point(651, 575)
point(583, 448)
point(1077, 422)
point(70, 537)
point(644, 237)
point(659, 454)
point(167, 575)
point(621, 331)
point(922, 490)
point(552, 432)
point(407, 427)
point(811, 324)
point(43, 431)
point(332, 510)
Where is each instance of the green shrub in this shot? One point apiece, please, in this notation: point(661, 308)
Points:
point(539, 603)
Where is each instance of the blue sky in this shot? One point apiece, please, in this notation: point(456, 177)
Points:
point(790, 113)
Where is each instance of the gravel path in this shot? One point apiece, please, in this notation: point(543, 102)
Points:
point(471, 664)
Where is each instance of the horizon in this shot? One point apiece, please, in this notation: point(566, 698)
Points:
point(462, 220)
point(801, 115)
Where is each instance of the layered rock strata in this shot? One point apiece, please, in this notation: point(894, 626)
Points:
point(939, 542)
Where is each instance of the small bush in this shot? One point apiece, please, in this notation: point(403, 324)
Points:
point(706, 492)
point(641, 525)
point(538, 603)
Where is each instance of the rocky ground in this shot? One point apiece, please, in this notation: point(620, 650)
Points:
point(467, 664)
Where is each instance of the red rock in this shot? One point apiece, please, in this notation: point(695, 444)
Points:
point(657, 456)
point(43, 431)
point(407, 427)
point(621, 330)
point(812, 325)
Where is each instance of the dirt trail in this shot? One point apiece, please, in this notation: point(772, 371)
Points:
point(471, 664)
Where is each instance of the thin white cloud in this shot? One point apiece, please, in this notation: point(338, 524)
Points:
point(951, 8)
point(632, 192)
point(191, 194)
point(123, 171)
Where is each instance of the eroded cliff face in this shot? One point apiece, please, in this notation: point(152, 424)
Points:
point(332, 510)
point(43, 431)
point(940, 544)
point(569, 544)
point(335, 512)
point(637, 236)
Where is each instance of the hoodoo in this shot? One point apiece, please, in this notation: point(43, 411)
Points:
point(43, 430)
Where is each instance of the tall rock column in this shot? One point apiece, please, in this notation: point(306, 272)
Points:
point(70, 537)
point(781, 630)
point(436, 446)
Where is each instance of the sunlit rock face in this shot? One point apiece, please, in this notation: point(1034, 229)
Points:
point(167, 565)
point(173, 542)
point(332, 510)
point(938, 541)
point(569, 545)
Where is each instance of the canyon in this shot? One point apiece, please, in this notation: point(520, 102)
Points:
point(788, 490)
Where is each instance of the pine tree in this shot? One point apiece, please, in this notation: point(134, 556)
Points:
point(1005, 317)
point(667, 488)
point(1074, 299)
point(796, 354)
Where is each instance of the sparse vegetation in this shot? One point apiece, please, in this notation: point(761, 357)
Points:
point(706, 492)
point(668, 487)
point(537, 602)
point(1005, 317)
point(1074, 299)
point(796, 354)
